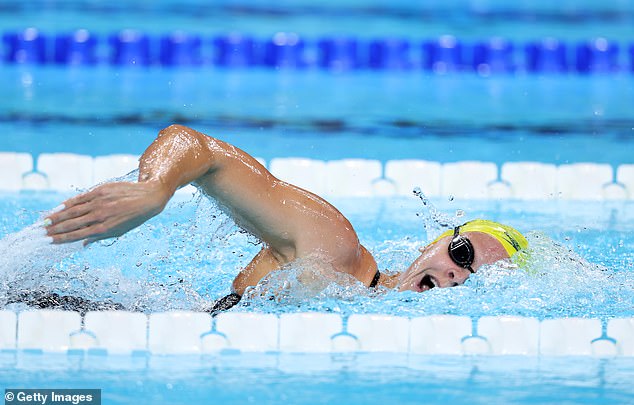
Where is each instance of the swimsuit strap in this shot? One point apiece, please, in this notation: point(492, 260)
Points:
point(224, 303)
point(228, 301)
point(375, 280)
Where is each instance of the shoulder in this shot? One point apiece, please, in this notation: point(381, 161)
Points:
point(333, 236)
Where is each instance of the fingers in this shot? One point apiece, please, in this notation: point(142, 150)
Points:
point(71, 208)
point(70, 225)
point(89, 196)
point(98, 214)
point(79, 199)
point(69, 213)
point(90, 234)
point(75, 221)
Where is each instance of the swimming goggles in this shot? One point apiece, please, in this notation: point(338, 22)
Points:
point(461, 250)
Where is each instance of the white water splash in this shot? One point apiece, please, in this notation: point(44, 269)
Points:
point(187, 257)
point(29, 253)
point(434, 220)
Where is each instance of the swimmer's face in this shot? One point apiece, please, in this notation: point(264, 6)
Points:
point(435, 268)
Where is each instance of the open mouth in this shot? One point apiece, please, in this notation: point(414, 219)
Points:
point(427, 283)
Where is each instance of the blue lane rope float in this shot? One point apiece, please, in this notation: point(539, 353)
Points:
point(180, 49)
point(130, 47)
point(234, 51)
point(338, 53)
point(495, 55)
point(445, 54)
point(77, 48)
point(547, 56)
point(290, 51)
point(390, 53)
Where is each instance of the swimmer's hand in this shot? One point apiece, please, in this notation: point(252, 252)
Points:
point(107, 211)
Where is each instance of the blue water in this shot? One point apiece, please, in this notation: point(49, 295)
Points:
point(97, 111)
point(464, 18)
point(183, 258)
point(580, 262)
point(306, 379)
point(585, 250)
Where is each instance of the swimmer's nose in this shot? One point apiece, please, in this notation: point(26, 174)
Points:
point(454, 276)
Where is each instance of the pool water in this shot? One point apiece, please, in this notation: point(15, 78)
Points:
point(312, 379)
point(388, 115)
point(578, 19)
point(579, 263)
point(588, 273)
point(582, 253)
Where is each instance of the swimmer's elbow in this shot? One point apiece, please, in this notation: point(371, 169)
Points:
point(180, 131)
point(184, 138)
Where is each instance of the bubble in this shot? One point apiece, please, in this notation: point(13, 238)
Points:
point(114, 289)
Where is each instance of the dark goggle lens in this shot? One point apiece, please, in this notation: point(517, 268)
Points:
point(461, 250)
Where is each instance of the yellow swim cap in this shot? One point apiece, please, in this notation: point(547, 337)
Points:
point(510, 238)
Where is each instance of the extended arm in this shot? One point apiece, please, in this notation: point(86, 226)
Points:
point(291, 221)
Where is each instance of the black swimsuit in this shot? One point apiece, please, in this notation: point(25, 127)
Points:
point(375, 280)
point(45, 299)
point(228, 301)
point(225, 303)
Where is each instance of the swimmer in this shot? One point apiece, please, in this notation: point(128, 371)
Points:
point(292, 223)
